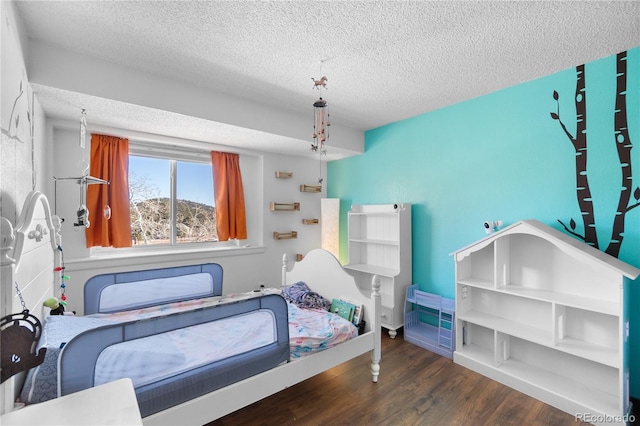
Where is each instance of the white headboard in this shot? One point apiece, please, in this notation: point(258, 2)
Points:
point(323, 273)
point(28, 255)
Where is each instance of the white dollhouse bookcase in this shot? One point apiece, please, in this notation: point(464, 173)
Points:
point(548, 315)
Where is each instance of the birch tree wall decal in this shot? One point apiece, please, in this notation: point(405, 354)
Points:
point(579, 142)
point(623, 146)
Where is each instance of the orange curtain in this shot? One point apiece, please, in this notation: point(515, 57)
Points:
point(227, 181)
point(109, 161)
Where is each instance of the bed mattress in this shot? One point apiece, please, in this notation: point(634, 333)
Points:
point(173, 367)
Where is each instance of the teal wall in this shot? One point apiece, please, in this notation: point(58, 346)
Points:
point(499, 157)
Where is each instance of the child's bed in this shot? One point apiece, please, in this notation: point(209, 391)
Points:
point(188, 395)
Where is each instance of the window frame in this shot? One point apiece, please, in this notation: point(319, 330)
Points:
point(173, 154)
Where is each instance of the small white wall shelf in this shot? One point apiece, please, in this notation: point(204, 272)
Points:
point(379, 243)
point(285, 235)
point(429, 321)
point(548, 315)
point(310, 188)
point(284, 207)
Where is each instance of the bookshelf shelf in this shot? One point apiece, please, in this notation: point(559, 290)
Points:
point(544, 313)
point(379, 243)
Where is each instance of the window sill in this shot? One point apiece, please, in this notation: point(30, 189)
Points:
point(149, 256)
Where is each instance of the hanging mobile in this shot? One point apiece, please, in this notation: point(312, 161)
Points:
point(321, 120)
point(83, 213)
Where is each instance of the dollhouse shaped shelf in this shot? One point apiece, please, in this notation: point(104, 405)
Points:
point(545, 313)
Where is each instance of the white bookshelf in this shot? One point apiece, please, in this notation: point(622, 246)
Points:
point(544, 313)
point(379, 243)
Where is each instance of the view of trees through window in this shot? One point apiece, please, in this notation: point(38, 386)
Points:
point(150, 198)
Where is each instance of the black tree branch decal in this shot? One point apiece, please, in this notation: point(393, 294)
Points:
point(579, 142)
point(623, 146)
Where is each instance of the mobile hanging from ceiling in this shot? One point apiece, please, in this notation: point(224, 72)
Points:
point(321, 121)
point(82, 213)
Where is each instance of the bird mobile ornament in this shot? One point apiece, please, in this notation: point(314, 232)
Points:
point(320, 117)
point(322, 82)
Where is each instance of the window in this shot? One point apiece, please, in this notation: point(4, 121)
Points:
point(172, 200)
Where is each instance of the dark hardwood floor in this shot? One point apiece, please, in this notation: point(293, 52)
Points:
point(416, 387)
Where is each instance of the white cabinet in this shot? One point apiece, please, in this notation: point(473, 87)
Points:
point(113, 403)
point(548, 315)
point(380, 244)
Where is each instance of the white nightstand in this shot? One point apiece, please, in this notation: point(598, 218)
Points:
point(113, 403)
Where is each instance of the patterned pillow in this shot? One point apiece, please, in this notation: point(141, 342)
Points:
point(301, 295)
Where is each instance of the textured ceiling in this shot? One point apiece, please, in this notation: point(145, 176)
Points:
point(385, 60)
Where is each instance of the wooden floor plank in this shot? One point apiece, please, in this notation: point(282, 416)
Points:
point(416, 387)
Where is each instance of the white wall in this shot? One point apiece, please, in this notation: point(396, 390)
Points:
point(23, 164)
point(55, 153)
point(60, 68)
point(243, 270)
point(22, 155)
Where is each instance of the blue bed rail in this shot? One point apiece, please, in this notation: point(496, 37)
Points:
point(79, 356)
point(151, 287)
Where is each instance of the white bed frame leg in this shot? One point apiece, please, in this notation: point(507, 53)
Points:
point(376, 327)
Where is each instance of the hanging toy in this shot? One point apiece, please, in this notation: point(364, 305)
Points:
point(19, 336)
point(56, 307)
point(83, 217)
point(82, 213)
